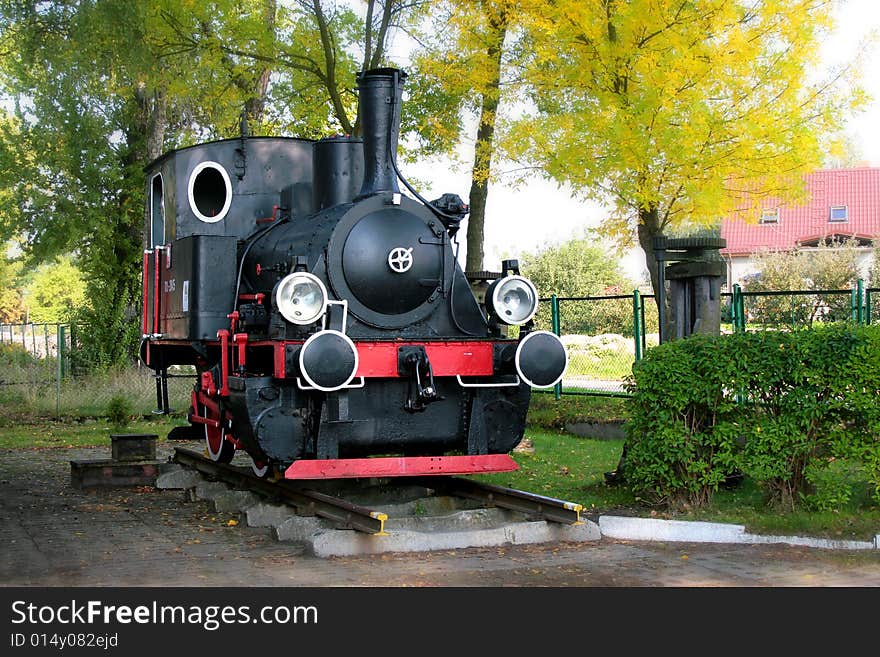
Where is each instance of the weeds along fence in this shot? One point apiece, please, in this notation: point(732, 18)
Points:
point(44, 370)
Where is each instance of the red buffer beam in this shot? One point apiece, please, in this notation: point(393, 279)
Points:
point(403, 466)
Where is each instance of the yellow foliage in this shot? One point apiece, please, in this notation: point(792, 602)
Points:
point(694, 109)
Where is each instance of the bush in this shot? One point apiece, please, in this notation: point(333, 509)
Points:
point(772, 404)
point(119, 412)
point(683, 431)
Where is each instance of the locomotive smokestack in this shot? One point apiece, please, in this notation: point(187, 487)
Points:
point(379, 95)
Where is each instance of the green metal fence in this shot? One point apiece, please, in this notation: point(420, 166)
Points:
point(603, 335)
point(789, 309)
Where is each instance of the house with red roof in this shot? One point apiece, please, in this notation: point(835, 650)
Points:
point(843, 204)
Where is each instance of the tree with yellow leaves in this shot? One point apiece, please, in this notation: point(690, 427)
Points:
point(675, 110)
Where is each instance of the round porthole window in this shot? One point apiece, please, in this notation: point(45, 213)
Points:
point(210, 192)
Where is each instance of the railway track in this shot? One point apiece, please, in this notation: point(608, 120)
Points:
point(307, 502)
point(349, 515)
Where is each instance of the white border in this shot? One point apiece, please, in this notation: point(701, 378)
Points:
point(495, 292)
point(210, 164)
point(519, 350)
point(289, 278)
point(305, 374)
point(162, 208)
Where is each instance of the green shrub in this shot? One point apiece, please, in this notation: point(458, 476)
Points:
point(773, 404)
point(119, 412)
point(683, 431)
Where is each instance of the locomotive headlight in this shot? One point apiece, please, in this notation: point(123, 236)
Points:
point(514, 299)
point(301, 298)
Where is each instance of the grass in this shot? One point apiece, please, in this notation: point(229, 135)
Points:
point(601, 364)
point(569, 468)
point(45, 433)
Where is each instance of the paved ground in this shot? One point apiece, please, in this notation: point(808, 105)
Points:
point(52, 534)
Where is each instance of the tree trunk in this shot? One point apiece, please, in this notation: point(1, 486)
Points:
point(485, 146)
point(650, 227)
point(255, 106)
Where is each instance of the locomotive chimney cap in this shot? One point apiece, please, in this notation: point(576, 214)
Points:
point(381, 72)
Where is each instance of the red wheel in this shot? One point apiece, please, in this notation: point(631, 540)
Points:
point(219, 449)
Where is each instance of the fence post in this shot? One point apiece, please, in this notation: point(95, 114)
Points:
point(554, 324)
point(637, 328)
point(62, 348)
point(854, 304)
point(737, 309)
point(860, 289)
point(868, 306)
point(59, 338)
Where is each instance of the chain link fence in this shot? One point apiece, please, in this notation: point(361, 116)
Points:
point(44, 370)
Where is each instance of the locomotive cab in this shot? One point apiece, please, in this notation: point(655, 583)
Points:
point(333, 331)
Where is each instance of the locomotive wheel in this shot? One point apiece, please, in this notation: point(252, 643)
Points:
point(219, 449)
point(262, 470)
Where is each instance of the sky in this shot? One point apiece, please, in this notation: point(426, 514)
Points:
point(541, 213)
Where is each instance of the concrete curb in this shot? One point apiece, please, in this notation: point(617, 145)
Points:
point(686, 531)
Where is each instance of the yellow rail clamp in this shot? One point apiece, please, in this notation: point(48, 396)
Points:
point(577, 508)
point(381, 517)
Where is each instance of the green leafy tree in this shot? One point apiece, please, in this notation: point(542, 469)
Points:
point(56, 292)
point(580, 268)
point(94, 101)
point(469, 55)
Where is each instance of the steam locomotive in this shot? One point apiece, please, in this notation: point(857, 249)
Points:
point(332, 330)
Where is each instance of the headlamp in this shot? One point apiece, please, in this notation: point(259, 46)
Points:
point(301, 298)
point(514, 299)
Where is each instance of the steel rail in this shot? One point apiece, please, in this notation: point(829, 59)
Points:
point(532, 504)
point(307, 502)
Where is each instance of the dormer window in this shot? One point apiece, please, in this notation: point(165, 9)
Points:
point(770, 216)
point(838, 213)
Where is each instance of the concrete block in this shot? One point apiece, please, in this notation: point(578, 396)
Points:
point(655, 529)
point(809, 541)
point(234, 500)
point(347, 543)
point(207, 490)
point(169, 467)
point(178, 479)
point(268, 515)
point(301, 528)
point(435, 505)
point(466, 520)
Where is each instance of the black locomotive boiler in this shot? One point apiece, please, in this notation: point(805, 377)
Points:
point(332, 329)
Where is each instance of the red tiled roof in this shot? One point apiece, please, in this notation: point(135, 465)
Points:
point(857, 189)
